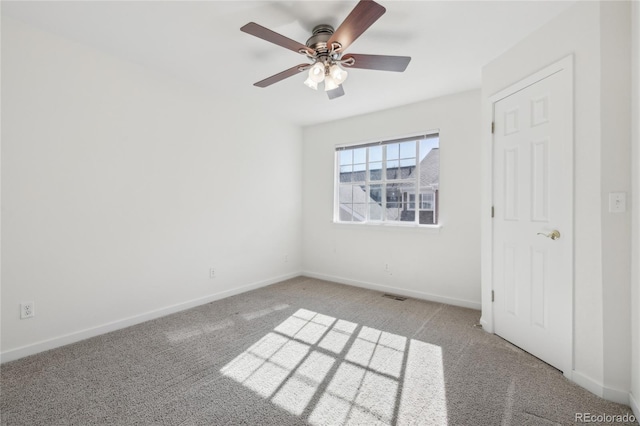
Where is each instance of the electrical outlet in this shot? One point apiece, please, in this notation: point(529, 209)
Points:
point(27, 310)
point(212, 273)
point(286, 258)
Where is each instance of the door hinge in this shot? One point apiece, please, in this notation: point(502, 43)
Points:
point(493, 127)
point(493, 296)
point(493, 211)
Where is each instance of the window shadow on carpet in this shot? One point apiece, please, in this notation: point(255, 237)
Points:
point(331, 371)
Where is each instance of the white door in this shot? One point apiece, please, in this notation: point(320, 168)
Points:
point(532, 223)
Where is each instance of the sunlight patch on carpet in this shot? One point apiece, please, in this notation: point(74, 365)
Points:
point(333, 371)
point(423, 393)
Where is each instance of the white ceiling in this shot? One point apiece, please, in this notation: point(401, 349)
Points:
point(201, 42)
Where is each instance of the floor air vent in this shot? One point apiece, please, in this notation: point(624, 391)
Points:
point(394, 297)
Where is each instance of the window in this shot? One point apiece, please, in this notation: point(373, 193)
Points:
point(380, 182)
point(426, 201)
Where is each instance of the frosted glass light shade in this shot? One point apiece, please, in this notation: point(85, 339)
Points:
point(316, 72)
point(339, 75)
point(310, 83)
point(330, 83)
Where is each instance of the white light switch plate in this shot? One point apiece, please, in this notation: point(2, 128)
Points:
point(617, 202)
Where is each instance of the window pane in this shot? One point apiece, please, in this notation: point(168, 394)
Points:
point(426, 217)
point(393, 151)
point(412, 201)
point(359, 171)
point(407, 215)
point(394, 196)
point(392, 170)
point(375, 193)
point(427, 206)
point(408, 149)
point(375, 171)
point(408, 162)
point(359, 212)
point(359, 194)
point(352, 203)
point(409, 196)
point(407, 166)
point(346, 213)
point(345, 173)
point(346, 194)
point(408, 203)
point(360, 155)
point(429, 179)
point(427, 145)
point(426, 201)
point(346, 156)
point(375, 153)
point(375, 211)
point(393, 213)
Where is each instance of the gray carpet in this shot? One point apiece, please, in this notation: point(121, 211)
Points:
point(302, 351)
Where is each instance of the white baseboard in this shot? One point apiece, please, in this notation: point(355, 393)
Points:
point(76, 336)
point(616, 395)
point(395, 290)
point(635, 406)
point(597, 388)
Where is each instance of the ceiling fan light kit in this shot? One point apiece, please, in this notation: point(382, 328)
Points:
point(310, 83)
point(338, 74)
point(325, 50)
point(317, 72)
point(330, 83)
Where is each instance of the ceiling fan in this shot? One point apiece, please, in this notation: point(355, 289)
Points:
point(325, 49)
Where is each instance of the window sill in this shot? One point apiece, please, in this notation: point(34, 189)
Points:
point(389, 226)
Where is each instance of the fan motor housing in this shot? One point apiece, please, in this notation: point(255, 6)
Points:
point(321, 35)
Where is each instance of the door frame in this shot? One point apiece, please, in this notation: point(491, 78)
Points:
point(487, 319)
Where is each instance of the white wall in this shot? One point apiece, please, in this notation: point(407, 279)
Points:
point(122, 187)
point(615, 89)
point(590, 31)
point(635, 197)
point(438, 265)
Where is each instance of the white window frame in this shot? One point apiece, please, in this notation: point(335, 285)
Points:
point(383, 182)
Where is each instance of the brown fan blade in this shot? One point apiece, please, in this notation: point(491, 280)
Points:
point(282, 75)
point(361, 17)
point(273, 37)
point(336, 93)
point(378, 62)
